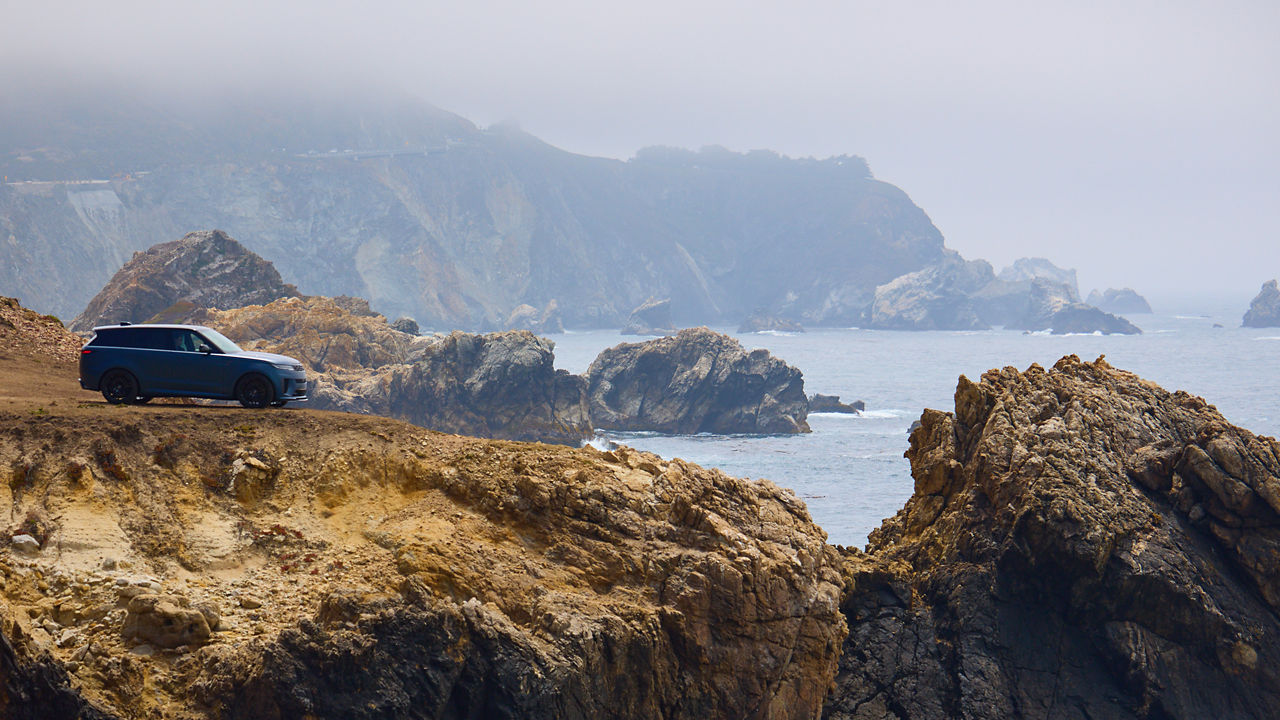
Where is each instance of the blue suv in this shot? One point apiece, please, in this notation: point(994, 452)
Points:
point(134, 363)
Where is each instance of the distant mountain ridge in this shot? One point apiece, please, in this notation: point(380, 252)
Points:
point(430, 217)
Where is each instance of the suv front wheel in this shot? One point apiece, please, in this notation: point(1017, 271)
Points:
point(254, 391)
point(119, 386)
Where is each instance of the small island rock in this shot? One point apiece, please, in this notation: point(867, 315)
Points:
point(1124, 301)
point(697, 381)
point(653, 317)
point(1264, 311)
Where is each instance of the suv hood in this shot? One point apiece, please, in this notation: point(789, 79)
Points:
point(270, 357)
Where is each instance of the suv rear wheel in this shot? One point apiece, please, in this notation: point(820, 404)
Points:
point(119, 386)
point(254, 391)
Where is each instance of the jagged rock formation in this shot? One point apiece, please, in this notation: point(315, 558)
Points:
point(500, 385)
point(1007, 299)
point(389, 571)
point(1125, 301)
point(1080, 544)
point(207, 269)
point(1264, 311)
point(831, 404)
point(1050, 307)
point(762, 321)
point(652, 317)
point(697, 381)
point(527, 317)
point(495, 385)
point(938, 297)
point(1024, 270)
point(430, 217)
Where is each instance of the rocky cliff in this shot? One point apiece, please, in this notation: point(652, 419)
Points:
point(1124, 301)
point(206, 268)
point(203, 562)
point(939, 297)
point(1080, 544)
point(429, 217)
point(696, 381)
point(1264, 311)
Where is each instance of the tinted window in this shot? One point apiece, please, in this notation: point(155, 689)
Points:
point(153, 338)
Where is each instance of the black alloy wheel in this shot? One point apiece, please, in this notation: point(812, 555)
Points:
point(254, 391)
point(118, 387)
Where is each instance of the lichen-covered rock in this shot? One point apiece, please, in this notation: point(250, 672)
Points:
point(697, 381)
point(1080, 544)
point(1124, 301)
point(652, 317)
point(208, 269)
point(1264, 311)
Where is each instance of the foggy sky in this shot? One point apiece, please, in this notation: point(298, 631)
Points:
point(1135, 141)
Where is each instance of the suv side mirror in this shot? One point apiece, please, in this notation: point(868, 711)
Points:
point(204, 349)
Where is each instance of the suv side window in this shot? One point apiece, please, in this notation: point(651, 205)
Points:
point(187, 341)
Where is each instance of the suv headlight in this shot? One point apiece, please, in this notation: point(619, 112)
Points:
point(282, 366)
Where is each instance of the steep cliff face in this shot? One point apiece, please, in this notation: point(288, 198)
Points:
point(206, 268)
point(432, 218)
point(1264, 311)
point(696, 381)
point(1080, 544)
point(349, 567)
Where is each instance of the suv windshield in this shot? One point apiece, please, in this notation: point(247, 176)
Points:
point(220, 341)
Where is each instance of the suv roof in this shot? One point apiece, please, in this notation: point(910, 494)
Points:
point(168, 326)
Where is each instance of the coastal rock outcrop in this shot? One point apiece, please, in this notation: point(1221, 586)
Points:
point(1125, 301)
point(1051, 307)
point(762, 321)
point(832, 404)
point(938, 297)
point(1264, 311)
point(496, 385)
point(208, 269)
point(696, 381)
point(652, 317)
point(1080, 544)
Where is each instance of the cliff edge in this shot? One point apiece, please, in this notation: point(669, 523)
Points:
point(1081, 544)
point(199, 562)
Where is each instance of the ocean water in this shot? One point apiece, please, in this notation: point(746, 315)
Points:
point(850, 470)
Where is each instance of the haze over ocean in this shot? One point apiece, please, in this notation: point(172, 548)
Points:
point(850, 470)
